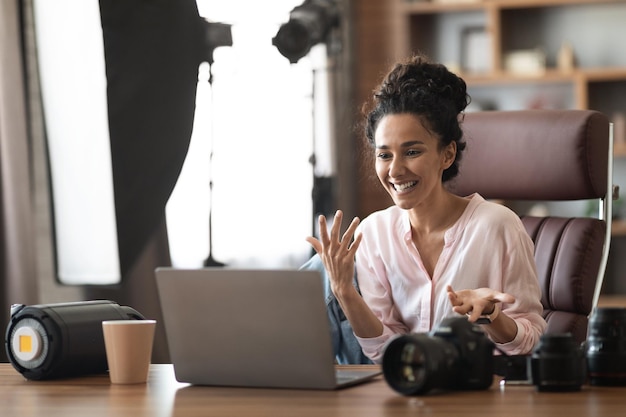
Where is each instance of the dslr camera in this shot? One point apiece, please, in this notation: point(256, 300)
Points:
point(456, 355)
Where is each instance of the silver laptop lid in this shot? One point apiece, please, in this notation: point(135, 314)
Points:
point(253, 328)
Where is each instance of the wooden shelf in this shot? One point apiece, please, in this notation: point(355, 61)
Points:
point(603, 74)
point(426, 7)
point(549, 76)
point(619, 149)
point(417, 6)
point(618, 228)
point(524, 4)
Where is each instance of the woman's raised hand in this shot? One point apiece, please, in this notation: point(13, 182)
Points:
point(337, 251)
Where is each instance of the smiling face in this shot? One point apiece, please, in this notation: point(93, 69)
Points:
point(409, 163)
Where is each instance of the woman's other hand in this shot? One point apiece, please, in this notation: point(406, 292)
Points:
point(477, 302)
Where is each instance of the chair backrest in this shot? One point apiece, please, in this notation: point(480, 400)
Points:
point(549, 155)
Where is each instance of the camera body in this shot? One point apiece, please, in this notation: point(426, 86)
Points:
point(456, 355)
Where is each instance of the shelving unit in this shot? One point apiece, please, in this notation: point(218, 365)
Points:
point(593, 27)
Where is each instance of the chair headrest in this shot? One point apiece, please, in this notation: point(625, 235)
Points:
point(534, 155)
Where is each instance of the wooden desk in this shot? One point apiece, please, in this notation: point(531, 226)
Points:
point(94, 396)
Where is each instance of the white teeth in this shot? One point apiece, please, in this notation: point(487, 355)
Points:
point(404, 186)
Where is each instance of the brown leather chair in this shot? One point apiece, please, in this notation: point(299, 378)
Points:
point(549, 155)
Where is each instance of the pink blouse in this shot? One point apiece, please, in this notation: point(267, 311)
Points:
point(487, 247)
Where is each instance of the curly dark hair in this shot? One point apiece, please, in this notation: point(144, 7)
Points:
point(427, 90)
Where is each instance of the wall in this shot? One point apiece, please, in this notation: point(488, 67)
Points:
point(377, 40)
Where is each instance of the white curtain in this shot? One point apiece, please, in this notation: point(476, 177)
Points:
point(73, 84)
point(255, 130)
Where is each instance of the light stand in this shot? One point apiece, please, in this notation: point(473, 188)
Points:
point(217, 34)
point(311, 23)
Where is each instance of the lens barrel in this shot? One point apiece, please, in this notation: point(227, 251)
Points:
point(558, 363)
point(416, 363)
point(606, 347)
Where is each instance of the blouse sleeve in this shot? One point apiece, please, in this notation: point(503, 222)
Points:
point(519, 278)
point(375, 289)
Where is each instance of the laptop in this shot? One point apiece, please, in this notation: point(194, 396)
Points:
point(251, 328)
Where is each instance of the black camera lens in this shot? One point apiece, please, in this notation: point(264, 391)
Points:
point(606, 347)
point(417, 363)
point(558, 363)
point(456, 355)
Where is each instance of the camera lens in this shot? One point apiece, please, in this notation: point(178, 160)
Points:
point(417, 363)
point(558, 363)
point(606, 346)
point(455, 355)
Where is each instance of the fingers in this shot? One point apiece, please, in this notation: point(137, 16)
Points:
point(355, 244)
point(473, 315)
point(346, 239)
point(450, 291)
point(452, 296)
point(474, 303)
point(317, 246)
point(329, 238)
point(504, 298)
point(330, 245)
point(324, 238)
point(334, 230)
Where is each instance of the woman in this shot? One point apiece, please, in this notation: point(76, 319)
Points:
point(433, 254)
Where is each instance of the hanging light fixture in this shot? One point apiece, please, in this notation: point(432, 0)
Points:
point(309, 24)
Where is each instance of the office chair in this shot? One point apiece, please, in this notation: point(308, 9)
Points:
point(549, 155)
